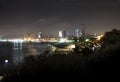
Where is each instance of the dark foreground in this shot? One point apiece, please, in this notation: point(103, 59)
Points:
point(108, 70)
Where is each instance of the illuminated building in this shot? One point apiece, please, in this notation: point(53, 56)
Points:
point(29, 37)
point(83, 29)
point(64, 34)
point(39, 35)
point(60, 34)
point(77, 33)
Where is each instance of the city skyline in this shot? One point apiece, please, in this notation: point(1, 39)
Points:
point(50, 16)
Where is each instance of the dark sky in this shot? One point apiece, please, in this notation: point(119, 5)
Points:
point(50, 16)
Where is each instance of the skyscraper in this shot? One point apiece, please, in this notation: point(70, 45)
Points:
point(39, 35)
point(78, 33)
point(60, 34)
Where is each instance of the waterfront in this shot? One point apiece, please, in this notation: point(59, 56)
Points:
point(16, 52)
point(84, 65)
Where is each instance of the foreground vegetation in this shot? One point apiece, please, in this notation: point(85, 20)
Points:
point(104, 64)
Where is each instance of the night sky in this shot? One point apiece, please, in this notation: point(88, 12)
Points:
point(49, 16)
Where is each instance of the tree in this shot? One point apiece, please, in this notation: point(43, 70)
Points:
point(111, 38)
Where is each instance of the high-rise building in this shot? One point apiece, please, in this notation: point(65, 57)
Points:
point(83, 29)
point(78, 33)
point(60, 34)
point(64, 34)
point(39, 35)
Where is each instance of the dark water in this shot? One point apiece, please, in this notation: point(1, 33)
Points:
point(15, 52)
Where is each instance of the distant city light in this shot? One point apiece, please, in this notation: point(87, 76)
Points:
point(99, 37)
point(39, 35)
point(3, 40)
point(86, 40)
point(62, 40)
point(60, 34)
point(72, 46)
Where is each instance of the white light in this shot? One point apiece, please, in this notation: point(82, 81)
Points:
point(87, 40)
point(4, 40)
point(62, 40)
point(72, 46)
point(99, 37)
point(17, 40)
point(6, 61)
point(60, 34)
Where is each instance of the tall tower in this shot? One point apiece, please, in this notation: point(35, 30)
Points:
point(77, 32)
point(83, 29)
point(64, 34)
point(39, 35)
point(60, 34)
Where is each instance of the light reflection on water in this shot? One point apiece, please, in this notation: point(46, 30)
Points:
point(18, 51)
